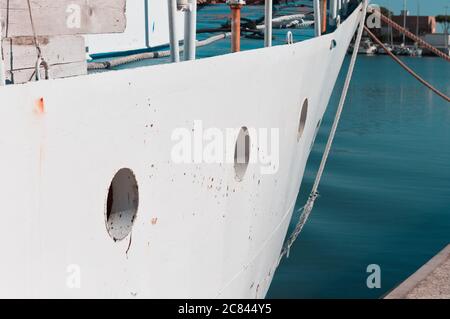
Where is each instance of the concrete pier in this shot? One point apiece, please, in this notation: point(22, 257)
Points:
point(431, 281)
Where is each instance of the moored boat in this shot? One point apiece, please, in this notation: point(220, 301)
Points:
point(109, 188)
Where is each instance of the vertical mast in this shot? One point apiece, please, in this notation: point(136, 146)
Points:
point(404, 21)
point(268, 23)
point(418, 14)
point(446, 26)
point(317, 24)
point(391, 31)
point(147, 31)
point(334, 11)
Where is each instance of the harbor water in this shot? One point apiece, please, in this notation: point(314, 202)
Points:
point(385, 195)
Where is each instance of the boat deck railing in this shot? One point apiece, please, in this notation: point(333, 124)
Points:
point(59, 50)
point(293, 21)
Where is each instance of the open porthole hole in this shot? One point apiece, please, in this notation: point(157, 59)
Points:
point(122, 204)
point(242, 153)
point(302, 121)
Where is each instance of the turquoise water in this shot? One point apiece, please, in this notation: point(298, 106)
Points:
point(385, 194)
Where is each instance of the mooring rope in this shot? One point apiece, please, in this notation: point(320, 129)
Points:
point(403, 65)
point(150, 55)
point(307, 209)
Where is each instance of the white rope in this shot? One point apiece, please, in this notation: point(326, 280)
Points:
point(289, 22)
point(150, 55)
point(307, 209)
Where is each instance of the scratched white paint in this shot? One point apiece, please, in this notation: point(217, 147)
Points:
point(189, 239)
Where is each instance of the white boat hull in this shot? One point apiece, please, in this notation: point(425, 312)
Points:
point(199, 233)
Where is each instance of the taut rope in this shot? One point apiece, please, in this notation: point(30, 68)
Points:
point(307, 209)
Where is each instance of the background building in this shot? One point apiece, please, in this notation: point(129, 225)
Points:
point(419, 25)
point(438, 40)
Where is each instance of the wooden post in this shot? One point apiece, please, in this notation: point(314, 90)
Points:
point(268, 24)
point(236, 6)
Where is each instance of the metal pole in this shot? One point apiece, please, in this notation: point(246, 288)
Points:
point(268, 24)
point(190, 30)
point(2, 62)
point(235, 6)
point(317, 24)
point(174, 45)
point(390, 30)
point(147, 31)
point(333, 10)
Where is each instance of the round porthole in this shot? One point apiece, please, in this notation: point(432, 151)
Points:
point(242, 153)
point(122, 204)
point(303, 117)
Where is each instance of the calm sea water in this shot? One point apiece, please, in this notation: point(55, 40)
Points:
point(385, 194)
